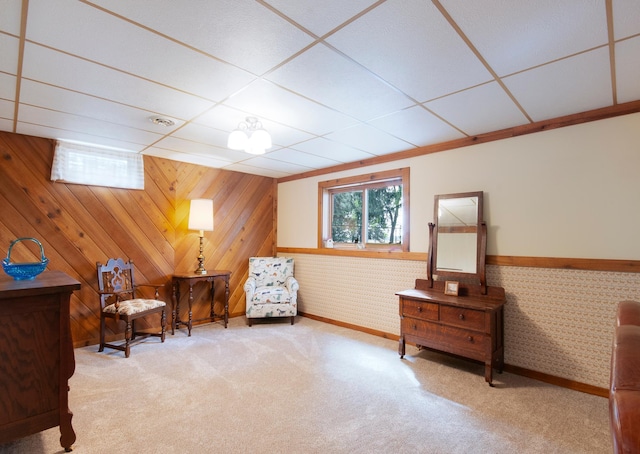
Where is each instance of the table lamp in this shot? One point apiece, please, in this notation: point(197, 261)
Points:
point(201, 218)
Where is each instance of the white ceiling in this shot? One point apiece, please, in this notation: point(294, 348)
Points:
point(333, 81)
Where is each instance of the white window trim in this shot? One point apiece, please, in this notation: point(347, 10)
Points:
point(83, 164)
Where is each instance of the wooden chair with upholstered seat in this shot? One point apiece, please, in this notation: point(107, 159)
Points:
point(118, 301)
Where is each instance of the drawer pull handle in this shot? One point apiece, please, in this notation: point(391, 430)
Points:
point(470, 338)
point(415, 327)
point(461, 316)
point(419, 308)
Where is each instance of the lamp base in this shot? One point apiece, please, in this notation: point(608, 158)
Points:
point(201, 269)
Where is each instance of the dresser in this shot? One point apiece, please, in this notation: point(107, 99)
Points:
point(469, 325)
point(36, 356)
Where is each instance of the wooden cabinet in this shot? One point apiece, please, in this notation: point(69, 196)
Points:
point(36, 356)
point(468, 325)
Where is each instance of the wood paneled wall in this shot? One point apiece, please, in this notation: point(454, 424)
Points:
point(79, 225)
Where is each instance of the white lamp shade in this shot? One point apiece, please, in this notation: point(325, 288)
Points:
point(237, 140)
point(261, 138)
point(201, 215)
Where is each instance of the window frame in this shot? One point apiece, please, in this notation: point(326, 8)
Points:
point(366, 181)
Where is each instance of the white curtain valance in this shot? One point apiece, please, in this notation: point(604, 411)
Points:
point(82, 164)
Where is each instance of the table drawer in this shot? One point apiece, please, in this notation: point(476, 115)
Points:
point(447, 338)
point(418, 309)
point(464, 318)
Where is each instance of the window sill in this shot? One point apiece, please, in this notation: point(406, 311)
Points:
point(352, 252)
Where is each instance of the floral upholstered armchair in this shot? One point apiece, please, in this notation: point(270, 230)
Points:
point(271, 289)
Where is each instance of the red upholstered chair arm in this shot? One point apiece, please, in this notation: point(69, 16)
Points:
point(628, 313)
point(625, 411)
point(624, 390)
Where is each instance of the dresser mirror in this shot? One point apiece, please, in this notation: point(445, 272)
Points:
point(458, 238)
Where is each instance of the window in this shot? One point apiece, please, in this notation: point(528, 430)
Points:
point(81, 164)
point(368, 211)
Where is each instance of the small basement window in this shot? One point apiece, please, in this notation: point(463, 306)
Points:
point(83, 164)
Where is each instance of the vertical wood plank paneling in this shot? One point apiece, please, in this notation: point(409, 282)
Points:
point(80, 225)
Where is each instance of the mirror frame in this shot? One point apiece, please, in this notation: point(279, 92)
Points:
point(481, 241)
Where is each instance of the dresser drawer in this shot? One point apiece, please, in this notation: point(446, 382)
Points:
point(418, 309)
point(459, 341)
point(464, 318)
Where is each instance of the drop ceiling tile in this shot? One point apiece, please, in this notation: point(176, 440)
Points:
point(241, 32)
point(130, 49)
point(516, 35)
point(75, 136)
point(200, 148)
point(337, 82)
point(5, 123)
point(68, 122)
point(628, 69)
point(265, 162)
point(302, 159)
point(6, 110)
point(320, 17)
point(9, 47)
point(222, 117)
point(58, 69)
point(369, 139)
point(62, 100)
point(7, 87)
point(285, 136)
point(575, 84)
point(332, 150)
point(626, 18)
point(417, 126)
point(409, 44)
point(10, 17)
point(269, 101)
point(203, 134)
point(206, 161)
point(253, 170)
point(479, 109)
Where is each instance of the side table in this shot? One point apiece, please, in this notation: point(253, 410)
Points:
point(191, 279)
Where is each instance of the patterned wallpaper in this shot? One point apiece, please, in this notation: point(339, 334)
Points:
point(558, 322)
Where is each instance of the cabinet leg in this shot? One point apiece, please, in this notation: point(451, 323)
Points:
point(175, 306)
point(67, 434)
point(189, 324)
point(226, 301)
point(401, 347)
point(488, 374)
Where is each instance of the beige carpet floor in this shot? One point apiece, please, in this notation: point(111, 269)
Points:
point(311, 388)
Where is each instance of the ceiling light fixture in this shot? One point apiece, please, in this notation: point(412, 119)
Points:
point(250, 136)
point(162, 121)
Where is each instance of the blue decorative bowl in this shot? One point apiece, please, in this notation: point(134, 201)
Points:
point(24, 271)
